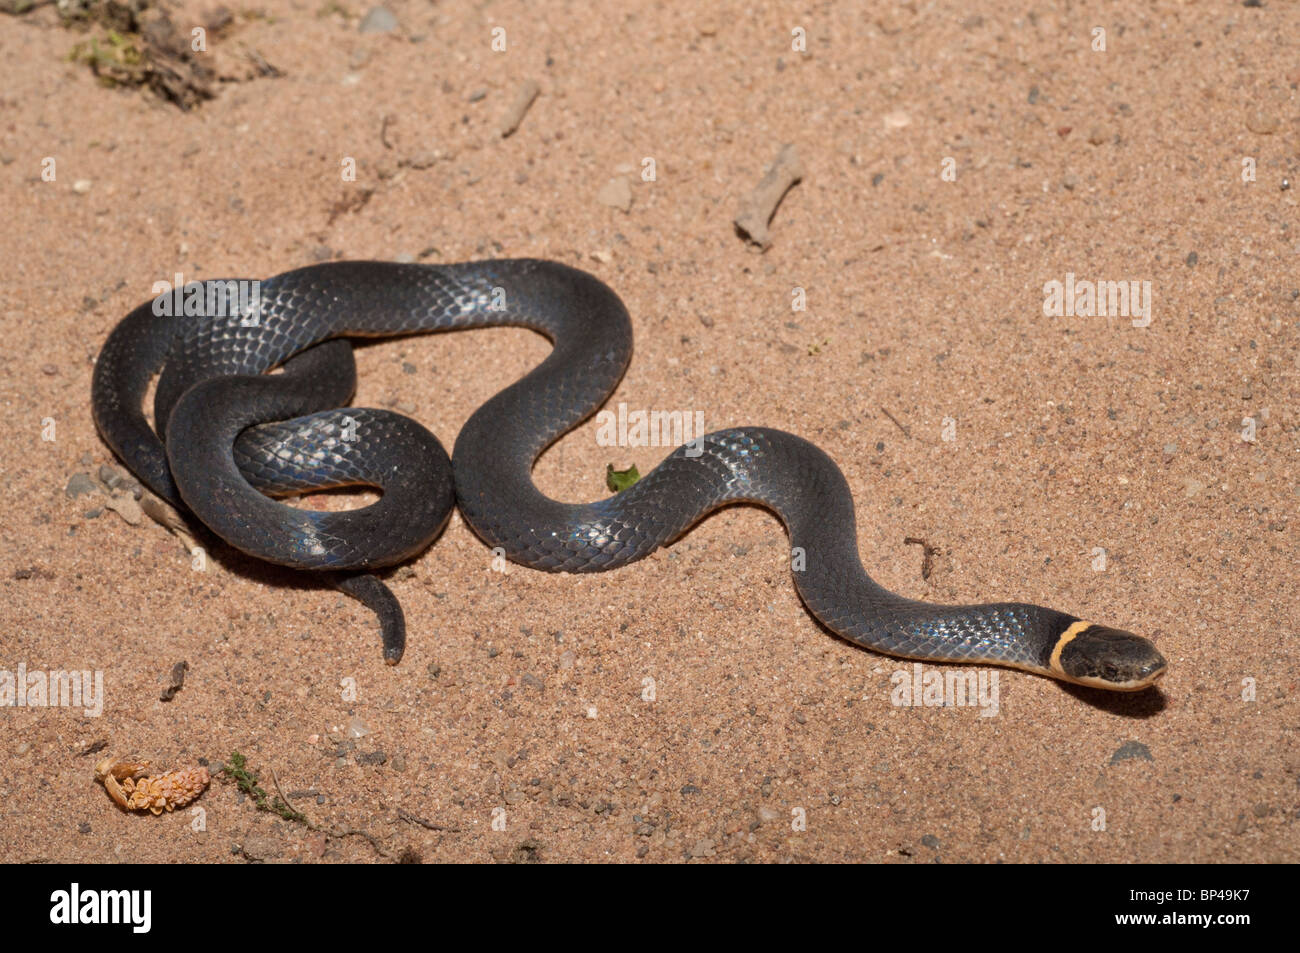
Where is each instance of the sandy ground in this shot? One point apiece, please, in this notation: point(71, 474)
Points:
point(1076, 461)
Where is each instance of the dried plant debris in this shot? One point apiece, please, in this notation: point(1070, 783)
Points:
point(136, 43)
point(176, 682)
point(236, 768)
point(132, 789)
point(757, 208)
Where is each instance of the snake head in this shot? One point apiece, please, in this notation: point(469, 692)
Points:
point(1102, 657)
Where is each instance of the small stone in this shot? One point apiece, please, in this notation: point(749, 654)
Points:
point(1130, 750)
point(532, 681)
point(477, 95)
point(930, 841)
point(378, 20)
point(616, 193)
point(1192, 259)
point(423, 160)
point(111, 476)
point(357, 728)
point(257, 847)
point(767, 815)
point(1097, 135)
point(372, 758)
point(399, 763)
point(1261, 123)
point(897, 120)
point(81, 186)
point(690, 789)
point(125, 506)
point(703, 848)
point(79, 485)
point(49, 370)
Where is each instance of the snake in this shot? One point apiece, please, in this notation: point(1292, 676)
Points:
point(250, 407)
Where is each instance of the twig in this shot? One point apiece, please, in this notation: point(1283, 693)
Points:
point(283, 797)
point(412, 819)
point(928, 554)
point(760, 205)
point(907, 432)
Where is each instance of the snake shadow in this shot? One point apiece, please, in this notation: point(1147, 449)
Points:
point(253, 569)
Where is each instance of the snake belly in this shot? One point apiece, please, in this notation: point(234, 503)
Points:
point(230, 436)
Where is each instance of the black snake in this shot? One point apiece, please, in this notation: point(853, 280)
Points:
point(236, 435)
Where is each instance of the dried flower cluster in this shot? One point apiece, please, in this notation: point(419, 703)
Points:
point(166, 792)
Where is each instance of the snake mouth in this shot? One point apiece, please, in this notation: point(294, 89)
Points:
point(1102, 657)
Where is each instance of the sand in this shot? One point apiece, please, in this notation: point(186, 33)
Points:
point(687, 707)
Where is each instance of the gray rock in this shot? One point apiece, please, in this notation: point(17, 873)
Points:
point(378, 20)
point(1129, 750)
point(80, 485)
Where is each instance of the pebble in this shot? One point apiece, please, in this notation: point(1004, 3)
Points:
point(1261, 123)
point(703, 848)
point(125, 506)
point(81, 186)
point(532, 681)
point(357, 728)
point(897, 120)
point(79, 485)
point(378, 20)
point(1130, 750)
point(257, 847)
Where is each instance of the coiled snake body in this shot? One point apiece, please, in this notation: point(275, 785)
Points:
point(235, 435)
